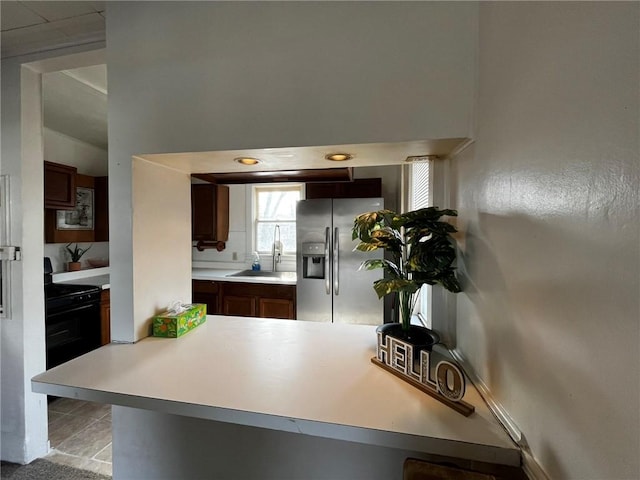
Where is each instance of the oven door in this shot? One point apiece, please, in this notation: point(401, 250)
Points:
point(72, 332)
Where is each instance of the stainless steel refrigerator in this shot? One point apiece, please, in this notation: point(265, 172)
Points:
point(330, 288)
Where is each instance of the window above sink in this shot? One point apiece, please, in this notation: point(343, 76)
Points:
point(275, 205)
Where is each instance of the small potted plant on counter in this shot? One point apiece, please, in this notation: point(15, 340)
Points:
point(422, 253)
point(76, 254)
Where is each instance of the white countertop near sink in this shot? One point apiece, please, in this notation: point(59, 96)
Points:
point(197, 273)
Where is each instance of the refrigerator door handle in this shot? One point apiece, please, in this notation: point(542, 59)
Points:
point(336, 263)
point(327, 277)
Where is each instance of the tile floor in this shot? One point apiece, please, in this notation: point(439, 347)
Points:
point(80, 434)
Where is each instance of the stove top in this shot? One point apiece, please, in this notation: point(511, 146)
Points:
point(61, 297)
point(66, 295)
point(57, 290)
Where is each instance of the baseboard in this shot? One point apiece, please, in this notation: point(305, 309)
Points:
point(529, 464)
point(531, 468)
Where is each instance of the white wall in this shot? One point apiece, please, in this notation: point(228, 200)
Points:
point(59, 256)
point(548, 202)
point(24, 414)
point(223, 75)
point(89, 160)
point(391, 182)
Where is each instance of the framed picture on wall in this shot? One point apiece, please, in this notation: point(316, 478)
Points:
point(80, 218)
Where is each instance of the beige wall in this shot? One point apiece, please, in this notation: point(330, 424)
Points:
point(161, 241)
point(548, 202)
point(198, 76)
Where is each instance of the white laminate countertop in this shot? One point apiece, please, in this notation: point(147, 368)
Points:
point(101, 281)
point(98, 277)
point(304, 377)
point(285, 278)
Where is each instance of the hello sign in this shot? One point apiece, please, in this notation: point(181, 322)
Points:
point(445, 382)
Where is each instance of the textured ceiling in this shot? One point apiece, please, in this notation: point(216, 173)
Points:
point(75, 101)
point(30, 26)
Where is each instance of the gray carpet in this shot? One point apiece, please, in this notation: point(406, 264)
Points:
point(41, 469)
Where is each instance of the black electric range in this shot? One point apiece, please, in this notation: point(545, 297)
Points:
point(72, 319)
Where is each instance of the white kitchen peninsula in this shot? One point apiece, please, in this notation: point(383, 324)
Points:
point(261, 398)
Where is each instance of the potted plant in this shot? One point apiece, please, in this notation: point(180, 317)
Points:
point(421, 252)
point(76, 254)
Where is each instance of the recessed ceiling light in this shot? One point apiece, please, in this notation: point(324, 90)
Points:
point(338, 157)
point(247, 160)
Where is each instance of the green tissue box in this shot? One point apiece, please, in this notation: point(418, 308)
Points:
point(173, 325)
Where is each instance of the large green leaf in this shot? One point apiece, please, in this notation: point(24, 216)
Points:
point(374, 231)
point(385, 286)
point(422, 215)
point(369, 246)
point(389, 267)
point(389, 238)
point(418, 237)
point(365, 223)
point(436, 253)
point(421, 232)
point(450, 282)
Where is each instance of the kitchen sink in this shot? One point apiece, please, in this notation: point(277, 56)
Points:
point(256, 273)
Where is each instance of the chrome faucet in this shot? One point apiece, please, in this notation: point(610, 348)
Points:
point(277, 248)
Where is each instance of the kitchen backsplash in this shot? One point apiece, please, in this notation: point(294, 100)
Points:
point(59, 256)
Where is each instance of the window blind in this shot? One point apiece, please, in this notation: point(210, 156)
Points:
point(420, 197)
point(420, 194)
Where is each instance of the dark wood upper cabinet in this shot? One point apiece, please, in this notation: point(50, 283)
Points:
point(210, 213)
point(51, 232)
point(358, 188)
point(100, 230)
point(302, 176)
point(59, 186)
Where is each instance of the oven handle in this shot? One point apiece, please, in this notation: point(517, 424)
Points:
point(73, 310)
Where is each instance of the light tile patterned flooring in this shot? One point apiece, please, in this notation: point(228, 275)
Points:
point(80, 434)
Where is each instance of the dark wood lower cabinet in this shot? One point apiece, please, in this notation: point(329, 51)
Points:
point(276, 308)
point(239, 305)
point(246, 299)
point(207, 292)
point(105, 317)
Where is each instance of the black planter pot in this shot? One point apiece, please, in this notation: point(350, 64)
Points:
point(420, 337)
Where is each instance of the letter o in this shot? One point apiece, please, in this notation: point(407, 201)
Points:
point(450, 381)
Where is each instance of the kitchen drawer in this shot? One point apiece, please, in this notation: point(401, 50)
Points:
point(205, 286)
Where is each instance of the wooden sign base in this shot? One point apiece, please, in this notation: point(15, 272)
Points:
point(461, 407)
